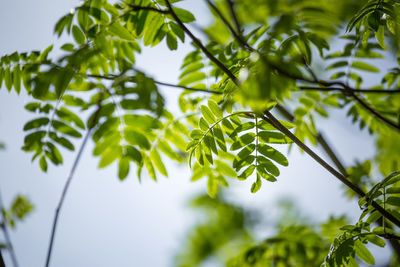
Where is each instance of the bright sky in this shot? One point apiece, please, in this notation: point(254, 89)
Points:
point(106, 222)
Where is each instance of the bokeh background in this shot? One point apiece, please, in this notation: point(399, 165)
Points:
point(106, 222)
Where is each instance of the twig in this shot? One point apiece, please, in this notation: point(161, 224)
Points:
point(112, 77)
point(339, 89)
point(234, 17)
point(149, 8)
point(7, 237)
point(271, 119)
point(68, 182)
point(201, 46)
point(375, 113)
point(236, 35)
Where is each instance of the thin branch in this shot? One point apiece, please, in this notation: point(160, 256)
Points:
point(3, 225)
point(375, 113)
point(271, 119)
point(68, 182)
point(339, 89)
point(201, 46)
point(229, 26)
point(189, 88)
point(338, 163)
point(233, 15)
point(63, 194)
point(149, 8)
point(112, 77)
point(2, 264)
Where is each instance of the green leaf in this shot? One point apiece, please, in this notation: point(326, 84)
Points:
point(17, 79)
point(217, 111)
point(172, 43)
point(364, 66)
point(134, 137)
point(123, 168)
point(150, 168)
point(152, 27)
point(247, 172)
point(203, 124)
point(68, 116)
point(133, 154)
point(363, 253)
point(274, 138)
point(268, 165)
point(264, 174)
point(156, 159)
point(219, 137)
point(207, 114)
point(395, 201)
point(36, 123)
point(256, 185)
point(192, 78)
point(243, 141)
point(376, 240)
point(109, 156)
point(78, 35)
point(184, 15)
point(212, 187)
point(65, 129)
point(196, 134)
point(273, 154)
point(177, 30)
point(224, 168)
point(43, 163)
point(118, 30)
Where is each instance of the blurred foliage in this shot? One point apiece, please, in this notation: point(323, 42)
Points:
point(19, 209)
point(300, 57)
point(227, 230)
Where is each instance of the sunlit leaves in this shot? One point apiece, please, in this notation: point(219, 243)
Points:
point(244, 136)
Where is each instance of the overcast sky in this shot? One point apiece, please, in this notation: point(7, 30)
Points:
point(106, 222)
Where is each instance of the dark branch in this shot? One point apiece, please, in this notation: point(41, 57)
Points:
point(91, 125)
point(229, 26)
point(3, 225)
point(149, 8)
point(189, 88)
point(375, 113)
point(339, 89)
point(112, 77)
point(271, 119)
point(233, 15)
point(201, 46)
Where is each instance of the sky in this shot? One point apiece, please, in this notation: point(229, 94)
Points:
point(105, 222)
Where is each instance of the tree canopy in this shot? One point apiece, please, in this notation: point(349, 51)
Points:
point(253, 85)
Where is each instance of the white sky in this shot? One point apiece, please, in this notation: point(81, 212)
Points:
point(105, 222)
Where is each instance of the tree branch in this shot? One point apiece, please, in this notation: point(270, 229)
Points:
point(233, 15)
point(91, 125)
point(112, 77)
point(149, 8)
point(365, 91)
point(201, 46)
point(236, 35)
point(375, 113)
point(3, 225)
point(339, 164)
point(271, 119)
